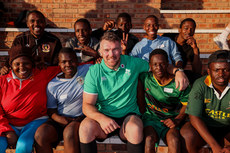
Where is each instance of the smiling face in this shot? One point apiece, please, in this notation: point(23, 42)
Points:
point(151, 27)
point(22, 67)
point(187, 30)
point(110, 52)
point(220, 74)
point(82, 32)
point(158, 65)
point(68, 64)
point(36, 23)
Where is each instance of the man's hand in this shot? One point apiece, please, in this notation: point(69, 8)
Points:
point(192, 42)
point(86, 50)
point(218, 149)
point(108, 125)
point(11, 139)
point(63, 121)
point(108, 25)
point(225, 150)
point(98, 60)
point(124, 43)
point(170, 123)
point(4, 70)
point(181, 80)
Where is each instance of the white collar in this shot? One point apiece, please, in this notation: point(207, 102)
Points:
point(223, 93)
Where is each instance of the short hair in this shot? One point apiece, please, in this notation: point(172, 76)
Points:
point(110, 36)
point(68, 50)
point(36, 12)
point(188, 19)
point(124, 15)
point(84, 21)
point(219, 56)
point(158, 51)
point(152, 16)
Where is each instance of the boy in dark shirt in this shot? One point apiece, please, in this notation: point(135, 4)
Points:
point(123, 24)
point(188, 48)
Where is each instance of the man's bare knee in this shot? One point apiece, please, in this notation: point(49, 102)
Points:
point(173, 137)
point(88, 130)
point(133, 129)
point(188, 133)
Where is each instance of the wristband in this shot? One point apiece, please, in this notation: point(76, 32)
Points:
point(178, 69)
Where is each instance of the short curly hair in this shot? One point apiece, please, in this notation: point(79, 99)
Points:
point(158, 51)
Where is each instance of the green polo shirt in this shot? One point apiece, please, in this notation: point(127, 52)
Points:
point(116, 90)
point(205, 102)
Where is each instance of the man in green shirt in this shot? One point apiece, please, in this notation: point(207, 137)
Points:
point(208, 107)
point(165, 105)
point(109, 98)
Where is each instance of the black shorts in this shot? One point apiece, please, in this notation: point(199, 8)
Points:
point(219, 132)
point(59, 129)
point(119, 121)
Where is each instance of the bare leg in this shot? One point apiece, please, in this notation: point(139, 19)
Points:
point(90, 130)
point(151, 138)
point(173, 141)
point(192, 138)
point(45, 135)
point(71, 138)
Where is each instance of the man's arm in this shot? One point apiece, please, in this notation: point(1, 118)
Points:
point(107, 124)
point(202, 129)
point(53, 113)
point(181, 116)
point(175, 54)
point(196, 63)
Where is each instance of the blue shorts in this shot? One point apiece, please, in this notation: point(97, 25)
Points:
point(25, 137)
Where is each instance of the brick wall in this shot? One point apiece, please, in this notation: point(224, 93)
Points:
point(194, 4)
point(63, 13)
